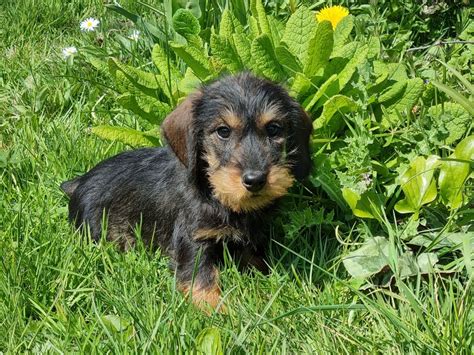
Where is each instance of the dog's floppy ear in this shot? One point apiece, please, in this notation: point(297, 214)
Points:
point(178, 130)
point(299, 144)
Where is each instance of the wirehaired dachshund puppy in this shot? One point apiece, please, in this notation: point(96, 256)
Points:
point(235, 147)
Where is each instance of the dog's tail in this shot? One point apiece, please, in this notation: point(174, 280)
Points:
point(70, 186)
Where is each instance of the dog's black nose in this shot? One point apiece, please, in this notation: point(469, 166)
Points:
point(254, 180)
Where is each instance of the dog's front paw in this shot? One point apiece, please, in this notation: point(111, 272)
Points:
point(206, 298)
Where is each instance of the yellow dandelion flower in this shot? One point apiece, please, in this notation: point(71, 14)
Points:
point(333, 14)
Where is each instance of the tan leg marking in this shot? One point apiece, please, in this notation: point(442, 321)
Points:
point(216, 233)
point(204, 298)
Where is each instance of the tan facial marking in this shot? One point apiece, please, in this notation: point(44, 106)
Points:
point(228, 189)
point(269, 114)
point(232, 120)
point(212, 160)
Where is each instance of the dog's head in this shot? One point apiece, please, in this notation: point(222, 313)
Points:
point(243, 136)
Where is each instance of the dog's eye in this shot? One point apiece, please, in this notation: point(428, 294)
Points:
point(223, 132)
point(273, 129)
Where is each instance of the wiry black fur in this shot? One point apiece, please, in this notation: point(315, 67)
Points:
point(170, 200)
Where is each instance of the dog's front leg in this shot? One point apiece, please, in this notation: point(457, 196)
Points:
point(197, 273)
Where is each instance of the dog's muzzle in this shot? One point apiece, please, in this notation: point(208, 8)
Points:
point(254, 180)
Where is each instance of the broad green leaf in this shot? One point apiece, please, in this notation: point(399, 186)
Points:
point(403, 103)
point(170, 74)
point(453, 116)
point(229, 25)
point(124, 85)
point(196, 42)
point(346, 74)
point(165, 87)
point(301, 86)
point(239, 10)
point(153, 105)
point(209, 342)
point(397, 71)
point(298, 32)
point(242, 45)
point(367, 205)
point(101, 65)
point(277, 28)
point(453, 174)
point(288, 60)
point(149, 108)
point(450, 240)
point(223, 50)
point(380, 72)
point(346, 51)
point(126, 135)
point(335, 104)
point(116, 324)
point(190, 5)
point(393, 92)
point(369, 259)
point(342, 31)
point(325, 178)
point(189, 83)
point(252, 7)
point(164, 63)
point(458, 239)
point(253, 27)
point(467, 104)
point(147, 102)
point(468, 33)
point(133, 80)
point(374, 47)
point(321, 91)
point(266, 61)
point(194, 58)
point(463, 79)
point(136, 76)
point(320, 48)
point(406, 265)
point(418, 185)
point(185, 23)
point(426, 262)
point(468, 255)
point(261, 17)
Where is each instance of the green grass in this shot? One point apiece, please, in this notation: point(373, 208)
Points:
point(60, 292)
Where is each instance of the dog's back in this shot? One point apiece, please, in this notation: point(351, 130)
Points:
point(123, 190)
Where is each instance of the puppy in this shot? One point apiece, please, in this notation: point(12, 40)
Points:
point(235, 147)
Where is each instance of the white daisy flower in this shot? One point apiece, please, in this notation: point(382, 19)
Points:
point(135, 35)
point(89, 24)
point(69, 51)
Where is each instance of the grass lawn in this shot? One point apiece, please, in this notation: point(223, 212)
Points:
point(62, 293)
